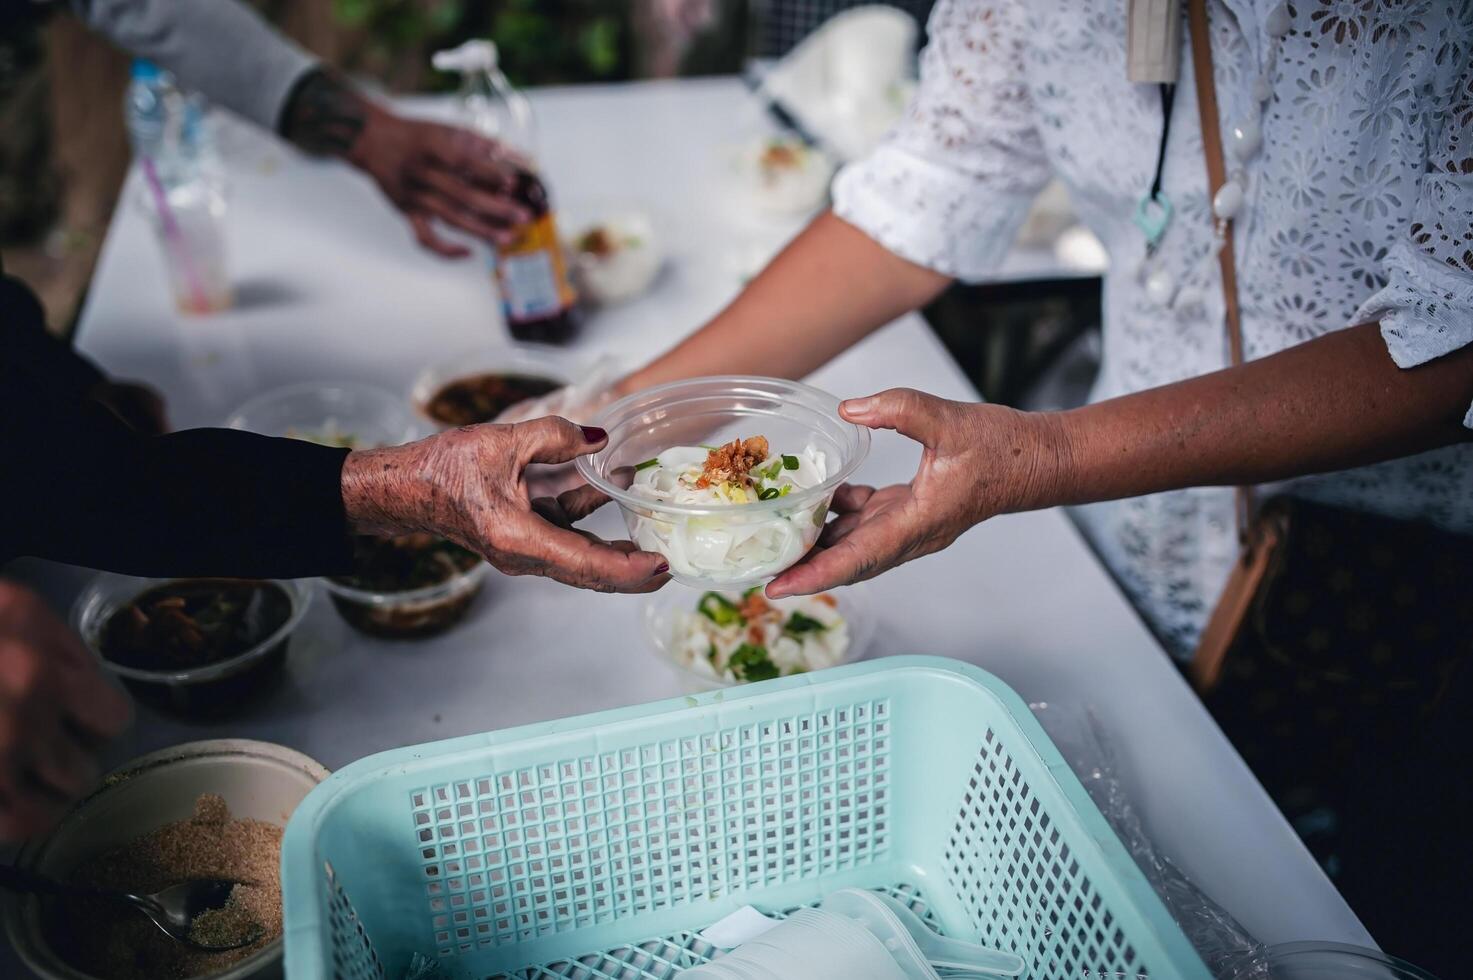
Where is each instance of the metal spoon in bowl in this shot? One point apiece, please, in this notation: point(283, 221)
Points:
point(173, 910)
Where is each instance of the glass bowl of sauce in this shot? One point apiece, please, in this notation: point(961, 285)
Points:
point(411, 585)
point(479, 386)
point(193, 646)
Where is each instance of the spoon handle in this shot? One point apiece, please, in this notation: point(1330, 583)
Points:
point(17, 879)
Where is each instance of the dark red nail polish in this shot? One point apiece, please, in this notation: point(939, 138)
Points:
point(662, 568)
point(593, 433)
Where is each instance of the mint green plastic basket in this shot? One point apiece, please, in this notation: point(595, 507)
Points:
point(599, 846)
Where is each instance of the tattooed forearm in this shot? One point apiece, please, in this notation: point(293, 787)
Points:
point(323, 115)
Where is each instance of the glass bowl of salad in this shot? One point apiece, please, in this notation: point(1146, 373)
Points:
point(721, 638)
point(340, 413)
point(729, 478)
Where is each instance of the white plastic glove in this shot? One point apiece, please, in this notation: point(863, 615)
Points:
point(578, 402)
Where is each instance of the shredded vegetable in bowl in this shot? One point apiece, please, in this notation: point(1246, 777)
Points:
point(733, 547)
point(738, 637)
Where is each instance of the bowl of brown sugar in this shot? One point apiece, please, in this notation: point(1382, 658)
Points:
point(213, 809)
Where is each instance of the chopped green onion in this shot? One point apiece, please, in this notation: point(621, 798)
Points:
point(769, 493)
point(798, 624)
point(719, 610)
point(646, 464)
point(751, 592)
point(785, 489)
point(750, 662)
point(790, 462)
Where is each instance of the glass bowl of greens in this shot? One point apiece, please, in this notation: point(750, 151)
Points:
point(720, 638)
point(193, 646)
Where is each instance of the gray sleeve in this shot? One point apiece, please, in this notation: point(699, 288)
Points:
point(220, 48)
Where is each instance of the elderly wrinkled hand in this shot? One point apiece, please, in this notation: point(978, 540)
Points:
point(56, 714)
point(469, 484)
point(978, 461)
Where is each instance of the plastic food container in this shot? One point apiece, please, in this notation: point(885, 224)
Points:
point(214, 688)
point(601, 846)
point(1323, 961)
point(658, 619)
point(626, 254)
point(510, 360)
point(258, 780)
point(415, 613)
point(711, 411)
point(357, 416)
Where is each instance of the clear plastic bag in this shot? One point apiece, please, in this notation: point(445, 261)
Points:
point(1224, 945)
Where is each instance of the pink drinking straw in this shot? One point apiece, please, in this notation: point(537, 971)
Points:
point(173, 235)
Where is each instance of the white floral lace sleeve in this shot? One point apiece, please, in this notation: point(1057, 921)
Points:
point(951, 185)
point(1426, 307)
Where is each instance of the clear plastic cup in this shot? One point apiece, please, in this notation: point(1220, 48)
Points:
point(712, 411)
point(191, 234)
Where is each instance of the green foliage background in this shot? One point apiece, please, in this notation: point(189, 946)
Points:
point(542, 42)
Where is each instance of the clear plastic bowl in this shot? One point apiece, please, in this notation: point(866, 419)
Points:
point(416, 613)
point(215, 688)
point(712, 411)
point(657, 617)
point(330, 412)
point(506, 359)
point(1322, 961)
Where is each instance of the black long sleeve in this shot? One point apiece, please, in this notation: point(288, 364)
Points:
point(79, 486)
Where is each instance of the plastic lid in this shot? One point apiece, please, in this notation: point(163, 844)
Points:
point(145, 70)
point(470, 56)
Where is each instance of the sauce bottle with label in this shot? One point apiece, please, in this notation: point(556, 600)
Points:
point(531, 272)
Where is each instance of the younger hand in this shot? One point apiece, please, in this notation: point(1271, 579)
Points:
point(979, 460)
point(56, 714)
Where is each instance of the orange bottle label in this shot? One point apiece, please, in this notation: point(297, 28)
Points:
point(532, 273)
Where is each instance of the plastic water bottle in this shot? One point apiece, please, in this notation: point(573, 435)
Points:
point(537, 294)
point(183, 186)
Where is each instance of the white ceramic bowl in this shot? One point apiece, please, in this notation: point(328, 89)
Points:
point(258, 780)
point(658, 620)
point(714, 411)
point(629, 270)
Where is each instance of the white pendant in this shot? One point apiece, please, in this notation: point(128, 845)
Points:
point(1277, 23)
point(1160, 287)
point(1263, 88)
point(1247, 139)
point(1228, 200)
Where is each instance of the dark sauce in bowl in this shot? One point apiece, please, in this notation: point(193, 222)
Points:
point(405, 564)
point(481, 397)
point(189, 624)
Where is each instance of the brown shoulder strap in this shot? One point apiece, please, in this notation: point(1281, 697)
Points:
point(1201, 40)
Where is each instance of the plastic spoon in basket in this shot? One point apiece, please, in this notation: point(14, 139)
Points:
point(918, 950)
point(173, 910)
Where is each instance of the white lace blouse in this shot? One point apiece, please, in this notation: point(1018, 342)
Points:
point(1359, 207)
